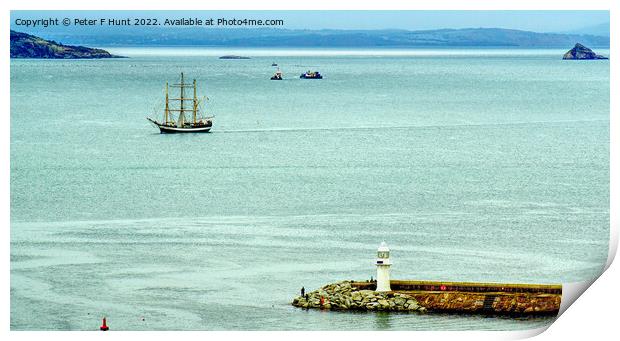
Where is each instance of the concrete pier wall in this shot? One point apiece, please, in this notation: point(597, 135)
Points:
point(500, 303)
point(471, 297)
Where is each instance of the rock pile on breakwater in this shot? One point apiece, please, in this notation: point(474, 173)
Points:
point(344, 296)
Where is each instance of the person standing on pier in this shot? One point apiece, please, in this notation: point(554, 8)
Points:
point(303, 291)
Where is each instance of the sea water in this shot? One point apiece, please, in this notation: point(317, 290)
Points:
point(473, 165)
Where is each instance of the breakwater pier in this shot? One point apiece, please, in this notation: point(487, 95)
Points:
point(384, 294)
point(435, 296)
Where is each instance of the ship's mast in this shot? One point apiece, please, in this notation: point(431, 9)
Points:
point(195, 102)
point(182, 109)
point(166, 111)
point(182, 119)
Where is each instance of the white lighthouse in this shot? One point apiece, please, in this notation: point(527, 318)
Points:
point(383, 268)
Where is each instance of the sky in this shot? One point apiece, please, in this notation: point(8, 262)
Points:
point(538, 21)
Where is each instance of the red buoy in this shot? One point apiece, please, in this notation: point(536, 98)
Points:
point(104, 326)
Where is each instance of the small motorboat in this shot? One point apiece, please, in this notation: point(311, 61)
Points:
point(277, 76)
point(311, 75)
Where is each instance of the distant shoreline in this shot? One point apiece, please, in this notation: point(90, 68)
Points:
point(258, 52)
point(24, 45)
point(293, 38)
point(420, 47)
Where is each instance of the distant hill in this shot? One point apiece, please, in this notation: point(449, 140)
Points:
point(28, 46)
point(602, 30)
point(270, 37)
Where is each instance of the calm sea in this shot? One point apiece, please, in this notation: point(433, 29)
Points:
point(473, 165)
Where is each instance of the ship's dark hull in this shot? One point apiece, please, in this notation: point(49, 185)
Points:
point(167, 129)
point(174, 130)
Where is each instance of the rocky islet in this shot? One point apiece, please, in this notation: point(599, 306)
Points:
point(580, 52)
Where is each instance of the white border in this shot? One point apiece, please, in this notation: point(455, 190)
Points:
point(593, 317)
point(316, 5)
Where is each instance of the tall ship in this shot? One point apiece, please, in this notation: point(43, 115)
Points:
point(185, 116)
